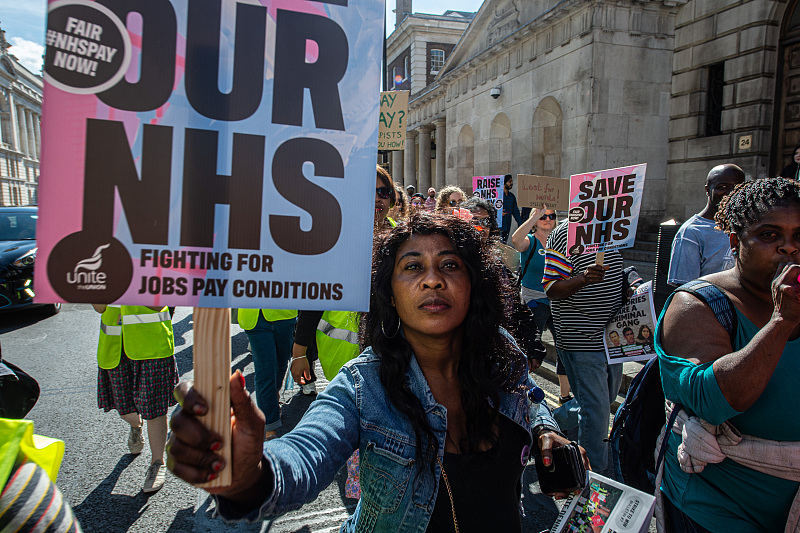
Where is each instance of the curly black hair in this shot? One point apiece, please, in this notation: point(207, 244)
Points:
point(490, 362)
point(475, 201)
point(748, 202)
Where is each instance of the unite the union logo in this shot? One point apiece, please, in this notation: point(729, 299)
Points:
point(86, 275)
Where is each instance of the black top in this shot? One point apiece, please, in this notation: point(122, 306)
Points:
point(791, 171)
point(486, 486)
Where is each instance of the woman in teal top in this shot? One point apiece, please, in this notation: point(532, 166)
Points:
point(530, 239)
point(749, 382)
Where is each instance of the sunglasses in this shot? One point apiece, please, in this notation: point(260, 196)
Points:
point(453, 203)
point(383, 192)
point(551, 216)
point(481, 222)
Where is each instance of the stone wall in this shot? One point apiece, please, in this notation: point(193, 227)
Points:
point(743, 36)
point(569, 99)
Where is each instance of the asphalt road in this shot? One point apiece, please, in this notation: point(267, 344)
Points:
point(102, 481)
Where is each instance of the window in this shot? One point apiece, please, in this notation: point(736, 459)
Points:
point(437, 60)
point(406, 69)
point(716, 81)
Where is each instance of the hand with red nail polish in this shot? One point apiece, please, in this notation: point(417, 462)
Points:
point(547, 441)
point(192, 448)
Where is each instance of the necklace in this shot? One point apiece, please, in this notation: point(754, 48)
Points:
point(449, 493)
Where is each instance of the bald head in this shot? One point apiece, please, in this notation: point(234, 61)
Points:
point(728, 171)
point(719, 182)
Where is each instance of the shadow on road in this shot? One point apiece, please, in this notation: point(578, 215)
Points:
point(104, 511)
point(22, 318)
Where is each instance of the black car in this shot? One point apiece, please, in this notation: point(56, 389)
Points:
point(17, 257)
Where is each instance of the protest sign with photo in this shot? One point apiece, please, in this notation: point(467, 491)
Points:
point(209, 154)
point(490, 188)
point(538, 191)
point(604, 209)
point(629, 336)
point(605, 506)
point(392, 131)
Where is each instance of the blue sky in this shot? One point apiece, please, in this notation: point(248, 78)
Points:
point(24, 21)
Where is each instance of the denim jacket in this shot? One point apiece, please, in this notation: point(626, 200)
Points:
point(353, 413)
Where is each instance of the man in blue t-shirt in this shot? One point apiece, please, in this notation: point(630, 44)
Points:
point(699, 248)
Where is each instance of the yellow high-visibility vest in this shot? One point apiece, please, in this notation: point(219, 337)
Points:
point(147, 334)
point(248, 318)
point(109, 346)
point(337, 340)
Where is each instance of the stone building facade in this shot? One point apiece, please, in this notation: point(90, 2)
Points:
point(416, 53)
point(585, 85)
point(20, 132)
point(735, 93)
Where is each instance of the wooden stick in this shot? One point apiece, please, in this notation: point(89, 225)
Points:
point(599, 257)
point(212, 370)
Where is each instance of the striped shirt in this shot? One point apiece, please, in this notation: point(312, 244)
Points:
point(580, 320)
point(30, 502)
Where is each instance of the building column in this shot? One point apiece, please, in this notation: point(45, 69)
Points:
point(424, 133)
point(397, 167)
point(23, 131)
point(410, 167)
point(13, 142)
point(441, 153)
point(37, 136)
point(32, 152)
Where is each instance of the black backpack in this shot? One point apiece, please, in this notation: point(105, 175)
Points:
point(640, 418)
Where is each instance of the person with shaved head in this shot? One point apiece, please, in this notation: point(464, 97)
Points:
point(700, 249)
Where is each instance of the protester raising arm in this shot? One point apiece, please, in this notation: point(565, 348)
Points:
point(520, 238)
point(690, 328)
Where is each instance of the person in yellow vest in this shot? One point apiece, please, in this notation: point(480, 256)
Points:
point(270, 332)
point(137, 372)
point(332, 336)
point(337, 330)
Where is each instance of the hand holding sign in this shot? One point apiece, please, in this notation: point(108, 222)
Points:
point(594, 274)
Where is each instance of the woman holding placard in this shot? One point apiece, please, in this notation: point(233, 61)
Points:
point(438, 405)
point(530, 239)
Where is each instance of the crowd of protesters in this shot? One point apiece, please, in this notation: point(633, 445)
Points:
point(425, 388)
point(434, 374)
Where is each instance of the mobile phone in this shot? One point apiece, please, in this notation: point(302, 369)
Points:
point(565, 474)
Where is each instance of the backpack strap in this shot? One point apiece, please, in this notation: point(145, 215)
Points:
point(723, 309)
point(717, 300)
point(663, 451)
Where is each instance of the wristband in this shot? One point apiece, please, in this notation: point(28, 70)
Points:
point(296, 358)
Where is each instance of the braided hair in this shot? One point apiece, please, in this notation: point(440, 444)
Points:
point(749, 201)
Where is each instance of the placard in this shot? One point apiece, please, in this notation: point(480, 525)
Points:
point(392, 131)
point(604, 209)
point(629, 336)
point(490, 188)
point(211, 154)
point(537, 191)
